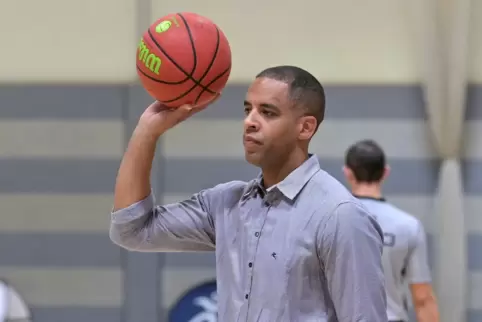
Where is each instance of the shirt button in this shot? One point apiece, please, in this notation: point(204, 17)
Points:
point(246, 296)
point(256, 234)
point(250, 264)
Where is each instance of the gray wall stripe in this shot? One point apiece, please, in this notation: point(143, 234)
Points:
point(183, 176)
point(474, 103)
point(431, 251)
point(375, 102)
point(474, 245)
point(472, 177)
point(57, 176)
point(76, 314)
point(161, 264)
point(62, 250)
point(141, 287)
point(343, 102)
point(61, 102)
point(104, 102)
point(98, 176)
point(474, 315)
point(141, 280)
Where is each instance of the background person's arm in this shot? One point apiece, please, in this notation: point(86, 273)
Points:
point(419, 278)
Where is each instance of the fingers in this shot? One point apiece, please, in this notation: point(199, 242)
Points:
point(189, 110)
point(176, 115)
point(181, 113)
point(157, 107)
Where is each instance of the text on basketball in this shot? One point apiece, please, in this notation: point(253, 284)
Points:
point(151, 61)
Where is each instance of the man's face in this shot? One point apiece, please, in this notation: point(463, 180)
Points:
point(271, 124)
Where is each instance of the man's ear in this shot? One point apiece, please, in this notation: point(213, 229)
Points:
point(348, 173)
point(386, 172)
point(307, 127)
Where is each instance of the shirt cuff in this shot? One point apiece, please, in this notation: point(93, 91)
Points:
point(134, 211)
point(420, 280)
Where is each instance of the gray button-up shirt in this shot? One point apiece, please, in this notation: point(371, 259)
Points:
point(307, 250)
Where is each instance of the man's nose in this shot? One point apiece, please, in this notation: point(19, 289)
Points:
point(250, 122)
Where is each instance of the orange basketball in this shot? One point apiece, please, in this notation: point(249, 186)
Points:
point(183, 58)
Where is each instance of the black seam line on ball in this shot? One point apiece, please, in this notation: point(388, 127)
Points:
point(211, 82)
point(218, 38)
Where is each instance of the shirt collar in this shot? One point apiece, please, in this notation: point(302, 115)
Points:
point(381, 199)
point(291, 186)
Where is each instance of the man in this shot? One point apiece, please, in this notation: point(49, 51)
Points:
point(405, 251)
point(292, 244)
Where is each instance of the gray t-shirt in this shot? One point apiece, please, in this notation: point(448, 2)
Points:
point(404, 254)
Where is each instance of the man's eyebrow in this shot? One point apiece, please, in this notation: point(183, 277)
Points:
point(263, 105)
point(267, 105)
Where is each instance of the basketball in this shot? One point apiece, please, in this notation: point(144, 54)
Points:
point(183, 58)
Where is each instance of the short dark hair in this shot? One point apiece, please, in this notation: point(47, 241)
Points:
point(366, 160)
point(304, 88)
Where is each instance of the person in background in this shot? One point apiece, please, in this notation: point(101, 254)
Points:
point(405, 250)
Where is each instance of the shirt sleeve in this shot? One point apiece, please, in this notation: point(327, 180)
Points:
point(418, 270)
point(351, 250)
point(183, 226)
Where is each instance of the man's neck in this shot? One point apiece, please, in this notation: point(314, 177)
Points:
point(274, 174)
point(367, 190)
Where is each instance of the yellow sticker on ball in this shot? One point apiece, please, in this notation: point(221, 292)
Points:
point(163, 26)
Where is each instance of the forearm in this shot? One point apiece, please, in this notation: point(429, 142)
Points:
point(133, 178)
point(427, 312)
